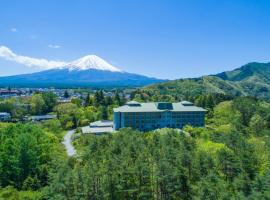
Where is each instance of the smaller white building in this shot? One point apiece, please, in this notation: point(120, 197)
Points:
point(98, 127)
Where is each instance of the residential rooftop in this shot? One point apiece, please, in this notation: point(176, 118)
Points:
point(4, 113)
point(183, 106)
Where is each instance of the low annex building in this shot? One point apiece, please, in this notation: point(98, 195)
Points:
point(150, 116)
point(98, 127)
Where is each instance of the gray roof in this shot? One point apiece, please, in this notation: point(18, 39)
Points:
point(102, 123)
point(96, 130)
point(154, 107)
point(132, 103)
point(186, 103)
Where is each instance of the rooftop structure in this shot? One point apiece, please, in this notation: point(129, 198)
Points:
point(98, 127)
point(183, 106)
point(149, 116)
point(102, 123)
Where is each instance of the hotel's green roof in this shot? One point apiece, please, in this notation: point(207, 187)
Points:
point(153, 107)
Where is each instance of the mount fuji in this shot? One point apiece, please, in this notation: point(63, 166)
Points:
point(88, 71)
point(91, 62)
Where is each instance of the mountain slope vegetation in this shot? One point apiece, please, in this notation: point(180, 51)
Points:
point(252, 79)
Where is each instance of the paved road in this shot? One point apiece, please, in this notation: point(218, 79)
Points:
point(71, 151)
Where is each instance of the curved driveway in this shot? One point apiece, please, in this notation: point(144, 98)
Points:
point(67, 142)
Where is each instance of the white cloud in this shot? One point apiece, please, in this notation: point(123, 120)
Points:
point(54, 46)
point(41, 63)
point(13, 30)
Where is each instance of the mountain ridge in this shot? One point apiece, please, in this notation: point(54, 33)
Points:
point(252, 79)
point(246, 71)
point(78, 78)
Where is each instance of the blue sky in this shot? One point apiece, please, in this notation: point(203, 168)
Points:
point(161, 38)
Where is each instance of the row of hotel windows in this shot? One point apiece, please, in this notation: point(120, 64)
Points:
point(153, 126)
point(155, 121)
point(160, 113)
point(151, 122)
point(154, 113)
point(159, 116)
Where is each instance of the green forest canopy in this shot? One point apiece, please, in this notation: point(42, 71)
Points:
point(228, 159)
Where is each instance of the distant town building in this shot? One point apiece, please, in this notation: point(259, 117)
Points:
point(109, 94)
point(5, 93)
point(99, 127)
point(4, 117)
point(150, 116)
point(63, 100)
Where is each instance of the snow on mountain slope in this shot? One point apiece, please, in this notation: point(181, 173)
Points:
point(84, 63)
point(91, 62)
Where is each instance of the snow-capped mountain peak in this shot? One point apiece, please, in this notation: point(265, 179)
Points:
point(91, 62)
point(84, 63)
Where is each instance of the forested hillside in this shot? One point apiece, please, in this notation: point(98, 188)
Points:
point(252, 79)
point(28, 154)
point(228, 159)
